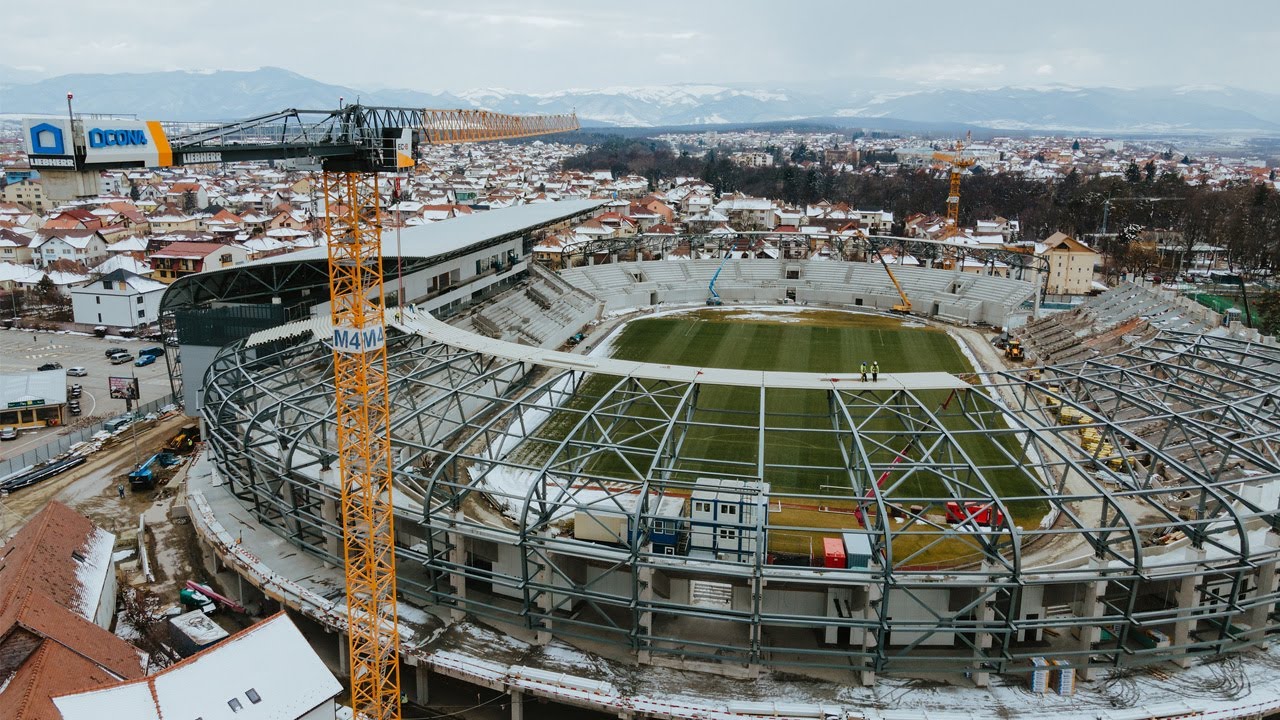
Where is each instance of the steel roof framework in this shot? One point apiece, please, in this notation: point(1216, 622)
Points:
point(1196, 412)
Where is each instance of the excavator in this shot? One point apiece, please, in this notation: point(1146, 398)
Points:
point(905, 306)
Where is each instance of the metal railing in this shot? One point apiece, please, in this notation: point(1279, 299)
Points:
point(65, 439)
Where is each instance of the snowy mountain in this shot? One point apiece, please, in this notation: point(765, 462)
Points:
point(230, 94)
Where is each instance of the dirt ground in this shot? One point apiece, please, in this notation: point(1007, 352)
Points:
point(92, 490)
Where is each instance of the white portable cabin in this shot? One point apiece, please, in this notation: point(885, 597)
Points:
point(609, 521)
point(723, 517)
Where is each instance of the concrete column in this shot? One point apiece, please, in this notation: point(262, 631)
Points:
point(1090, 608)
point(544, 578)
point(1185, 600)
point(875, 596)
point(1265, 584)
point(344, 657)
point(517, 704)
point(645, 598)
point(422, 690)
point(458, 557)
point(329, 511)
point(985, 615)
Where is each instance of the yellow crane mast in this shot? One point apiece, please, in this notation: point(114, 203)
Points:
point(352, 145)
point(353, 229)
point(958, 164)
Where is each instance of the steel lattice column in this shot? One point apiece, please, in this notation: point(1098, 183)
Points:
point(354, 234)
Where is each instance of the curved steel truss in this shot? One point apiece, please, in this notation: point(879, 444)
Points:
point(1116, 511)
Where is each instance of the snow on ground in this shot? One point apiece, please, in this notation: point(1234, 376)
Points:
point(1227, 687)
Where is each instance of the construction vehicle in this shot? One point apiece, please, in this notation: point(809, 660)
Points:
point(905, 306)
point(958, 165)
point(1013, 350)
point(714, 298)
point(147, 475)
point(184, 441)
point(352, 144)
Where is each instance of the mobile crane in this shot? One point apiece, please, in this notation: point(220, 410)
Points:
point(905, 306)
point(352, 145)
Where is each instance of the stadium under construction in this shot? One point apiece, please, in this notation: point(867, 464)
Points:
point(1109, 508)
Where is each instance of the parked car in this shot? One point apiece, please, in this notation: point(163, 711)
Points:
point(73, 391)
point(144, 360)
point(77, 371)
point(50, 366)
point(9, 433)
point(121, 358)
point(115, 351)
point(74, 409)
point(155, 351)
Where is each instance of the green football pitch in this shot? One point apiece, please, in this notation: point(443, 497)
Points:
point(799, 455)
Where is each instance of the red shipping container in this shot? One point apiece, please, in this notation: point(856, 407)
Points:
point(833, 552)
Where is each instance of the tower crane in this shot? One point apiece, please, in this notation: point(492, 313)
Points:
point(352, 145)
point(958, 164)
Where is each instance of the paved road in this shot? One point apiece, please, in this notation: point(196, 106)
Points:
point(25, 350)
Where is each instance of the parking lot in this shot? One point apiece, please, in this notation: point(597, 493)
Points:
point(26, 350)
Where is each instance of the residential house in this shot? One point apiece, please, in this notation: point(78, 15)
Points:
point(87, 247)
point(57, 596)
point(180, 259)
point(170, 219)
point(15, 247)
point(1071, 264)
point(179, 193)
point(26, 192)
point(654, 204)
point(223, 223)
point(120, 297)
point(748, 213)
point(286, 218)
point(73, 219)
point(16, 215)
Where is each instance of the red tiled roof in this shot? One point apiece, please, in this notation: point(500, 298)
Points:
point(44, 643)
point(51, 671)
point(39, 555)
point(188, 250)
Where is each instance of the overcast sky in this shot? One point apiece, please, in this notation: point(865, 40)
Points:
point(539, 45)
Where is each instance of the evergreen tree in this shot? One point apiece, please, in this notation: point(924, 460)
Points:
point(1268, 310)
point(1133, 174)
point(1075, 146)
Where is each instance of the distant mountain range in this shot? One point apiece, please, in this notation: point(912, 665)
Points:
point(225, 94)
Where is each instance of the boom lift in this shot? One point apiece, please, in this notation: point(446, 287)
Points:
point(714, 297)
point(352, 144)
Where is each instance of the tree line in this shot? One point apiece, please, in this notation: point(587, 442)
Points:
point(1242, 218)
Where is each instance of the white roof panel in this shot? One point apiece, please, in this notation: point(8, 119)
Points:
point(458, 233)
point(272, 659)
